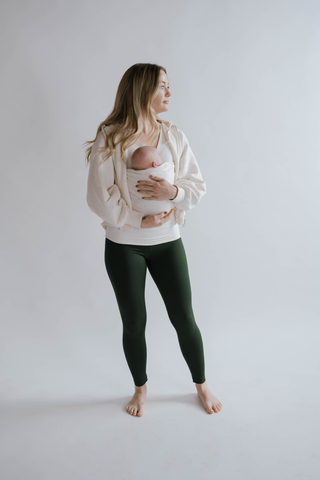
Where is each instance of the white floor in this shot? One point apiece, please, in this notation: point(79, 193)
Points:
point(73, 424)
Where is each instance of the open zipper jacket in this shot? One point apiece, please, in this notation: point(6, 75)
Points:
point(107, 188)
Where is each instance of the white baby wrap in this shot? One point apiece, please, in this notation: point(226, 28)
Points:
point(149, 207)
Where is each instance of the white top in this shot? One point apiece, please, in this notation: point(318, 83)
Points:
point(148, 236)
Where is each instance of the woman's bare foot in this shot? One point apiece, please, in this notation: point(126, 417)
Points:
point(208, 399)
point(136, 405)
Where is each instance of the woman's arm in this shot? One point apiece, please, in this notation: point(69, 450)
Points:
point(187, 190)
point(103, 195)
point(191, 186)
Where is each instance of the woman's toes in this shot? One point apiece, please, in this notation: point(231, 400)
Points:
point(134, 410)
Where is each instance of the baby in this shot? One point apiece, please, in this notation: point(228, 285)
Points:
point(146, 161)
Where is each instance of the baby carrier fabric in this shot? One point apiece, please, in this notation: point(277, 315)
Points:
point(166, 171)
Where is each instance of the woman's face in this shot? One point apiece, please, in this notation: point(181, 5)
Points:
point(161, 101)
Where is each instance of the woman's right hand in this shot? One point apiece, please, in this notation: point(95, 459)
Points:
point(156, 220)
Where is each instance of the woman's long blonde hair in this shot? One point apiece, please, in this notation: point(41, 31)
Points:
point(136, 91)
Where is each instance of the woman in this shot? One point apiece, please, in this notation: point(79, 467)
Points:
point(135, 241)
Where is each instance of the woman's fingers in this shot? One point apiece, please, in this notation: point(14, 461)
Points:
point(169, 215)
point(163, 214)
point(156, 220)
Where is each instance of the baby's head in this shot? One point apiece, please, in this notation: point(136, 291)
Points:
point(145, 157)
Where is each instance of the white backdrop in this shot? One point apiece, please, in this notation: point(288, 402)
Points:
point(244, 78)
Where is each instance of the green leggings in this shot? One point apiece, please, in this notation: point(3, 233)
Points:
point(126, 266)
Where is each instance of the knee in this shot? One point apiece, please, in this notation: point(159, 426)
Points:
point(134, 323)
point(184, 322)
point(135, 329)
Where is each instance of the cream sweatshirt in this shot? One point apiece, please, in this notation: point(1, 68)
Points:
point(107, 186)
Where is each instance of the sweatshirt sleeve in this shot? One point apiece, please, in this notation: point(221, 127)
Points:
point(103, 195)
point(191, 186)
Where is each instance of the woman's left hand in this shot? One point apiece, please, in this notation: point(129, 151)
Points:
point(159, 188)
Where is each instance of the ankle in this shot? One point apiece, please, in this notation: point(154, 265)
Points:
point(141, 389)
point(201, 386)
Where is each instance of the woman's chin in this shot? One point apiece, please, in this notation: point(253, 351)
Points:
point(164, 109)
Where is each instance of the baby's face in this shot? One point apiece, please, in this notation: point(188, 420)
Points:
point(146, 157)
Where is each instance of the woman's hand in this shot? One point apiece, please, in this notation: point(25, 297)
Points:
point(159, 189)
point(156, 220)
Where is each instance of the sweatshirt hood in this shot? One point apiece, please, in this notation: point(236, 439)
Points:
point(167, 128)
